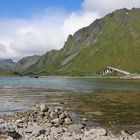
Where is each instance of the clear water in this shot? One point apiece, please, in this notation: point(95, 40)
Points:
point(114, 103)
point(74, 84)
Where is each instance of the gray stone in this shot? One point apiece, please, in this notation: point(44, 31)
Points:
point(57, 110)
point(125, 134)
point(68, 121)
point(84, 119)
point(98, 131)
point(76, 128)
point(62, 116)
point(5, 137)
point(136, 135)
point(66, 113)
point(58, 121)
point(19, 121)
point(35, 130)
point(53, 115)
point(44, 108)
point(7, 129)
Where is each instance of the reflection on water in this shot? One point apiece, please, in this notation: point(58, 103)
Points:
point(109, 102)
point(113, 109)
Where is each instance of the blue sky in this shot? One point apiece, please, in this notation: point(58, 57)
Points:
point(26, 8)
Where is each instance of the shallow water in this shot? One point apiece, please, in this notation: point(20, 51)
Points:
point(74, 84)
point(109, 102)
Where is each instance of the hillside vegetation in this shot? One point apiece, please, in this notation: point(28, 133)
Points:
point(113, 40)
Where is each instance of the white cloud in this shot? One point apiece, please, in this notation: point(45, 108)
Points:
point(43, 32)
point(105, 6)
point(78, 20)
point(49, 29)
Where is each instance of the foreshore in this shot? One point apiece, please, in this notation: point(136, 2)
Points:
point(125, 77)
point(43, 122)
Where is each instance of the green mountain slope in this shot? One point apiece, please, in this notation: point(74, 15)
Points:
point(9, 73)
point(112, 41)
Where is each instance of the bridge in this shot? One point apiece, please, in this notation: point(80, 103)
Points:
point(111, 70)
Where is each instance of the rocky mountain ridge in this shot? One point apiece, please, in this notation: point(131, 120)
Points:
point(110, 41)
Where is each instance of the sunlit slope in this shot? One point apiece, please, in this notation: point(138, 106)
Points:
point(113, 41)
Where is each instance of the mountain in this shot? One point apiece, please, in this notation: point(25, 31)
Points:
point(25, 62)
point(6, 64)
point(113, 40)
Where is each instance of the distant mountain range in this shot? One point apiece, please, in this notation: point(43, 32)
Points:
point(26, 62)
point(9, 66)
point(113, 40)
point(6, 64)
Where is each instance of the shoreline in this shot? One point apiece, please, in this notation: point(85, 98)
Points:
point(94, 77)
point(43, 122)
point(127, 77)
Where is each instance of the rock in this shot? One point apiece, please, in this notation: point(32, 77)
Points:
point(47, 115)
point(53, 115)
point(68, 121)
point(62, 116)
point(7, 129)
point(66, 113)
point(136, 135)
point(76, 128)
point(44, 108)
point(84, 119)
point(19, 121)
point(5, 137)
point(98, 131)
point(58, 121)
point(35, 130)
point(57, 110)
point(1, 121)
point(125, 134)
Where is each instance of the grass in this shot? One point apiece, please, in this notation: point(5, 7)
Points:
point(117, 45)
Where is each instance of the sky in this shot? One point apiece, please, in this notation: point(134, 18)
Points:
point(33, 27)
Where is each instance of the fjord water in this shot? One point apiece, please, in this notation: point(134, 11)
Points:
point(110, 102)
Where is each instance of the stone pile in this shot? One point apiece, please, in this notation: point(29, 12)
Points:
point(52, 123)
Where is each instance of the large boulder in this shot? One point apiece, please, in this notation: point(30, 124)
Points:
point(53, 115)
point(44, 108)
point(8, 130)
point(35, 130)
point(5, 137)
point(68, 121)
point(136, 135)
point(97, 131)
